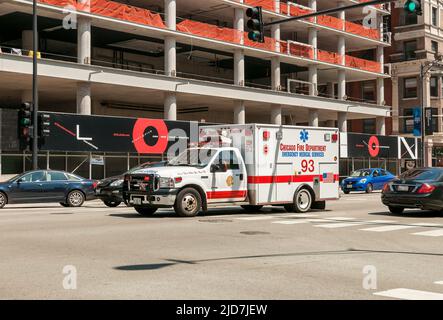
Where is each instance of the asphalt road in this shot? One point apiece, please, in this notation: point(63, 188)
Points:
point(353, 250)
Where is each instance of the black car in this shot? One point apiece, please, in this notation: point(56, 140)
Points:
point(417, 188)
point(38, 186)
point(110, 190)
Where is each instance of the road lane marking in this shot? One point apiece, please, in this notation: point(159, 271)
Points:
point(388, 228)
point(341, 218)
point(340, 225)
point(410, 294)
point(438, 282)
point(299, 221)
point(299, 215)
point(256, 218)
point(432, 233)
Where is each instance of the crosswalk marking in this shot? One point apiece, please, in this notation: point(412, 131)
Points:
point(256, 218)
point(300, 215)
point(410, 294)
point(299, 221)
point(339, 225)
point(388, 228)
point(438, 282)
point(432, 233)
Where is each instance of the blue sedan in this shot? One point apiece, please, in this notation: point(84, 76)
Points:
point(38, 186)
point(366, 180)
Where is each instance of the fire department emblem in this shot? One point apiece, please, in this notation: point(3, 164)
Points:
point(230, 181)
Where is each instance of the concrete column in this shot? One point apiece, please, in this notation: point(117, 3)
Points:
point(341, 85)
point(277, 6)
point(341, 49)
point(170, 106)
point(275, 73)
point(313, 5)
point(313, 118)
point(84, 98)
point(170, 42)
point(27, 40)
point(239, 22)
point(380, 91)
point(381, 58)
point(239, 112)
point(84, 40)
point(380, 125)
point(313, 80)
point(239, 68)
point(395, 106)
point(342, 121)
point(170, 56)
point(312, 40)
point(275, 33)
point(276, 114)
point(171, 14)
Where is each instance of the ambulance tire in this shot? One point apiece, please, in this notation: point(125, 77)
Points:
point(319, 205)
point(188, 203)
point(302, 201)
point(145, 211)
point(251, 208)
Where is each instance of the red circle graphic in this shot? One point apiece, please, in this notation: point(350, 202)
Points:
point(138, 138)
point(374, 146)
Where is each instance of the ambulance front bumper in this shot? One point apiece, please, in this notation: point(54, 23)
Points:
point(159, 198)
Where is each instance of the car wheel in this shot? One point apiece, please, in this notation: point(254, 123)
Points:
point(369, 188)
point(188, 203)
point(64, 204)
point(302, 201)
point(112, 204)
point(75, 198)
point(3, 200)
point(396, 210)
point(251, 208)
point(346, 191)
point(145, 211)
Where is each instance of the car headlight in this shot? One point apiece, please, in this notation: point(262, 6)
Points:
point(166, 183)
point(363, 180)
point(117, 183)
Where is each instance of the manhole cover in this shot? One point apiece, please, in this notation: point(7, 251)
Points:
point(253, 233)
point(215, 220)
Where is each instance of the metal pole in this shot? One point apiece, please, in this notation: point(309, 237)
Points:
point(423, 114)
point(34, 86)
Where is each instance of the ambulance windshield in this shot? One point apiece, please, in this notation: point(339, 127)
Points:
point(196, 157)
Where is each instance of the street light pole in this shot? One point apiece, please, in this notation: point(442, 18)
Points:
point(34, 86)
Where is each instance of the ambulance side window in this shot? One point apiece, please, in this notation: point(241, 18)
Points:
point(229, 160)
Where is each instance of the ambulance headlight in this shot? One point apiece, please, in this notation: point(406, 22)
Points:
point(166, 183)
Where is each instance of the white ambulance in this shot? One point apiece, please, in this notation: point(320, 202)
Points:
point(251, 165)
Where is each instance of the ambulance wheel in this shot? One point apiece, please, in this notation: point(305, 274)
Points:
point(346, 191)
point(250, 208)
point(188, 203)
point(145, 211)
point(302, 201)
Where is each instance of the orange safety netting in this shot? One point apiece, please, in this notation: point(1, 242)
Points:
point(330, 57)
point(330, 21)
point(114, 10)
point(361, 30)
point(363, 64)
point(210, 31)
point(293, 10)
point(266, 4)
point(300, 50)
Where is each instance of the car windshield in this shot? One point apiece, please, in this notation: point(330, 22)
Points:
point(361, 173)
point(197, 157)
point(421, 175)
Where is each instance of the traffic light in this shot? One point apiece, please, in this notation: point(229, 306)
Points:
point(255, 24)
point(44, 123)
point(25, 125)
point(413, 6)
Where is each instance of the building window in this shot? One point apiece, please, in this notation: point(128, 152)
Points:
point(434, 16)
point(410, 18)
point(409, 49)
point(410, 88)
point(434, 46)
point(368, 91)
point(369, 126)
point(408, 121)
point(434, 86)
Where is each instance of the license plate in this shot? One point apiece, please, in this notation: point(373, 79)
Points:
point(137, 201)
point(402, 188)
point(349, 186)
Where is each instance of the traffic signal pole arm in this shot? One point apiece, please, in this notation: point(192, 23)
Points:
point(328, 11)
